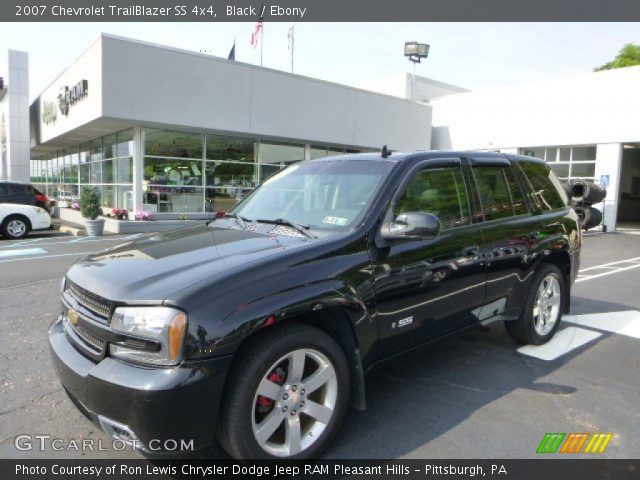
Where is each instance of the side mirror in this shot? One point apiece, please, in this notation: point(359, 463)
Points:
point(412, 226)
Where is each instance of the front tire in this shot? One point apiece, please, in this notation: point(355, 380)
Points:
point(15, 227)
point(542, 311)
point(287, 397)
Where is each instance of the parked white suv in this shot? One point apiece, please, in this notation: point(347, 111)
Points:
point(16, 221)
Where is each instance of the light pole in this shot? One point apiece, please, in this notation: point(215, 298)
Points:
point(415, 52)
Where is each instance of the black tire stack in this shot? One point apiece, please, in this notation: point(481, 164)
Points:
point(583, 195)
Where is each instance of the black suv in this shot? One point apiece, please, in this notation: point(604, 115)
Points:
point(22, 193)
point(258, 328)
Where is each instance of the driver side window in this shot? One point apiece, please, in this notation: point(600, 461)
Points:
point(439, 191)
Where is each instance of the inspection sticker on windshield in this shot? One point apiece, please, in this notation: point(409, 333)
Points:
point(335, 220)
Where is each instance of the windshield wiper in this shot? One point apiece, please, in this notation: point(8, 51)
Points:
point(242, 221)
point(300, 227)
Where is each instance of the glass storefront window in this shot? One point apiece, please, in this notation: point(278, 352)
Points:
point(583, 169)
point(583, 153)
point(96, 150)
point(172, 199)
point(107, 171)
point(173, 171)
point(124, 170)
point(166, 143)
point(280, 153)
point(267, 170)
point(124, 143)
point(230, 149)
point(109, 146)
point(560, 169)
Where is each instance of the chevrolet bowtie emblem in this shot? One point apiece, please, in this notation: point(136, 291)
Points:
point(73, 317)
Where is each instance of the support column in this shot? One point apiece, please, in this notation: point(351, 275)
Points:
point(608, 164)
point(138, 168)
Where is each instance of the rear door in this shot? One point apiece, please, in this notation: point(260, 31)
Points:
point(428, 288)
point(511, 235)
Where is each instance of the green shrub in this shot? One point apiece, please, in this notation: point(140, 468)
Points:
point(90, 203)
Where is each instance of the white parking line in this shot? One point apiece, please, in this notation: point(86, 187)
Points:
point(46, 257)
point(623, 323)
point(610, 268)
point(563, 342)
point(21, 251)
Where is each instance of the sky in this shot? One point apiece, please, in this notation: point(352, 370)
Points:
point(471, 55)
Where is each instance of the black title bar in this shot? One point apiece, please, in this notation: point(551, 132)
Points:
point(319, 10)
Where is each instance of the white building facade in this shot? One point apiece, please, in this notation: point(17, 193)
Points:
point(14, 115)
point(172, 131)
point(584, 126)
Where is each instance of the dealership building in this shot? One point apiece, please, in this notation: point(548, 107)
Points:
point(177, 132)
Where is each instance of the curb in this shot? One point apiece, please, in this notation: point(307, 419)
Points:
point(76, 232)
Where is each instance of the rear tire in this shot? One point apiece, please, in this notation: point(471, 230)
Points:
point(542, 311)
point(15, 227)
point(287, 396)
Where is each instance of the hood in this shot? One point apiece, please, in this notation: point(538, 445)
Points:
point(151, 268)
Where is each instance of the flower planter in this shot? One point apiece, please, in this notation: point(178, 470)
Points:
point(94, 227)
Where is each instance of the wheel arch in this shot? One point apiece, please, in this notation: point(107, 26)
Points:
point(333, 313)
point(562, 260)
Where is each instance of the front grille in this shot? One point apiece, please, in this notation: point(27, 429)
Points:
point(89, 338)
point(91, 302)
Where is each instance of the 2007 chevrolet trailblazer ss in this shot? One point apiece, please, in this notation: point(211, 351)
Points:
point(257, 329)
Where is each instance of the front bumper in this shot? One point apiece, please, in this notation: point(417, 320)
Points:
point(156, 404)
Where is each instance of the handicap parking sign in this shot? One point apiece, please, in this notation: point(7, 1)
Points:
point(604, 181)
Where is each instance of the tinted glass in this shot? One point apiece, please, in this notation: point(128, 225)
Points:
point(439, 191)
point(517, 197)
point(548, 192)
point(4, 189)
point(329, 195)
point(494, 192)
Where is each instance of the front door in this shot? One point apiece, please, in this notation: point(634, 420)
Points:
point(428, 288)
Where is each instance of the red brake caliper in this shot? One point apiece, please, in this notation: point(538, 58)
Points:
point(265, 402)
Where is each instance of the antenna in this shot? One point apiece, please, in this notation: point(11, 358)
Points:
point(385, 152)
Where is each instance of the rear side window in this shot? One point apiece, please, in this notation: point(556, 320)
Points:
point(440, 191)
point(548, 193)
point(4, 189)
point(499, 191)
point(16, 189)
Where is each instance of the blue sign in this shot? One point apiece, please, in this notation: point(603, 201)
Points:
point(604, 181)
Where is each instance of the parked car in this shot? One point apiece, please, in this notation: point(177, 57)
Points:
point(22, 193)
point(258, 328)
point(16, 221)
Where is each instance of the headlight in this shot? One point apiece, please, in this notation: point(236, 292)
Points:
point(164, 325)
point(39, 210)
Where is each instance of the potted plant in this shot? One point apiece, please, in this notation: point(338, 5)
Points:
point(120, 213)
point(144, 216)
point(90, 209)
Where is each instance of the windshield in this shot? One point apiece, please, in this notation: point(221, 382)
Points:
point(327, 194)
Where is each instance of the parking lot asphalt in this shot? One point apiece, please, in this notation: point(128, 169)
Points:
point(475, 395)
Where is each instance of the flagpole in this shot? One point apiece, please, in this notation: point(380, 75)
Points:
point(261, 39)
point(293, 41)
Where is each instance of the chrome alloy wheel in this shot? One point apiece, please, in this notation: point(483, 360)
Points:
point(16, 228)
point(294, 402)
point(546, 307)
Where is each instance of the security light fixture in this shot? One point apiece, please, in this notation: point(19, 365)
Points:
point(415, 51)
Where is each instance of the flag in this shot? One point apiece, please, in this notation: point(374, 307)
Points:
point(255, 36)
point(290, 38)
point(232, 53)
